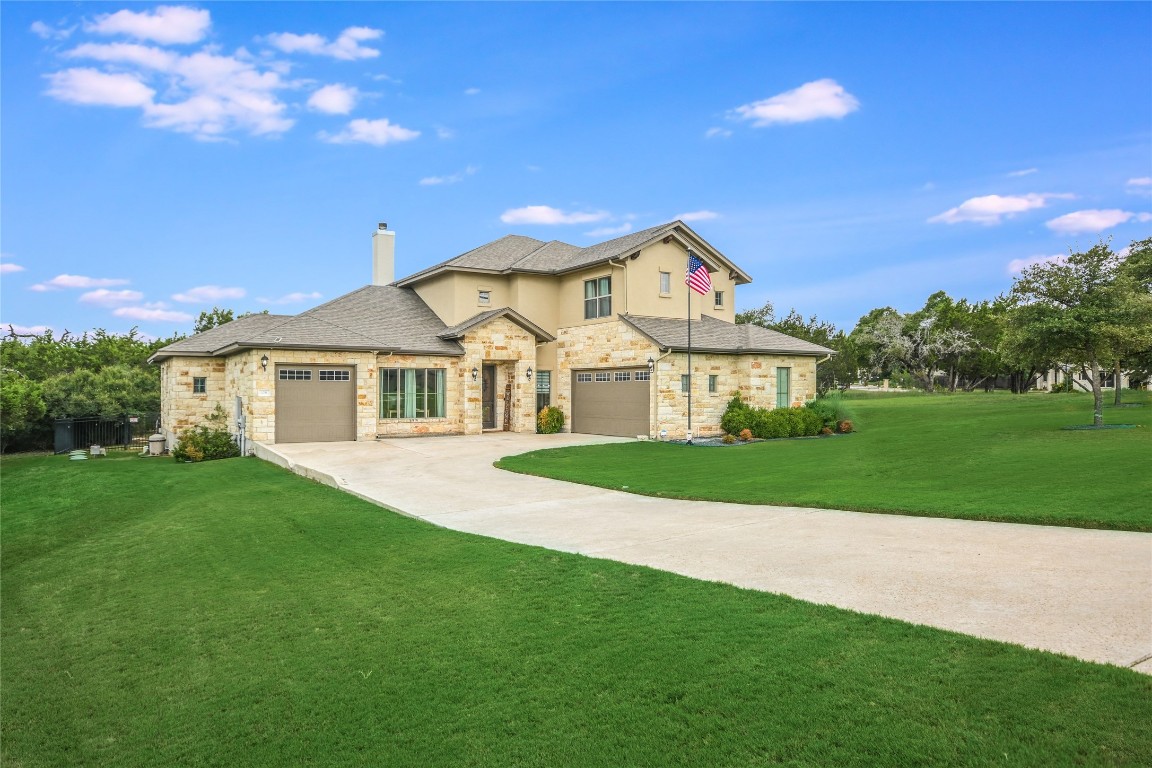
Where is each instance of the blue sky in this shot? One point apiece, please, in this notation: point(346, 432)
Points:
point(158, 160)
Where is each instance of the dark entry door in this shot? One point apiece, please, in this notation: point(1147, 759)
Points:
point(488, 396)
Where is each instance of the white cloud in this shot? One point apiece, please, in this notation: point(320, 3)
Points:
point(378, 132)
point(990, 209)
point(203, 294)
point(431, 181)
point(77, 281)
point(165, 24)
point(1024, 172)
point(1016, 266)
point(293, 298)
point(471, 91)
point(7, 268)
point(445, 133)
point(544, 214)
point(89, 86)
point(1093, 220)
point(205, 94)
point(334, 99)
point(816, 100)
point(713, 133)
point(698, 216)
point(1139, 186)
point(347, 47)
point(105, 298)
point(46, 32)
point(24, 330)
point(154, 312)
point(607, 231)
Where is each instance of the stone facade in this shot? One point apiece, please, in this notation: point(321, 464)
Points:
point(512, 350)
point(180, 407)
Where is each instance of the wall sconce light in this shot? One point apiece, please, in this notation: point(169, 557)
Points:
point(651, 364)
point(529, 374)
point(264, 362)
point(475, 373)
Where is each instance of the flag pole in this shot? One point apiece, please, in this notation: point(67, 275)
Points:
point(689, 287)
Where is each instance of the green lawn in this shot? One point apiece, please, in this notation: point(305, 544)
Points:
point(230, 613)
point(980, 456)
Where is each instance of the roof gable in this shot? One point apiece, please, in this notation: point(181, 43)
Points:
point(457, 331)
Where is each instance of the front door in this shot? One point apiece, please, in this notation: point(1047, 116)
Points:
point(488, 396)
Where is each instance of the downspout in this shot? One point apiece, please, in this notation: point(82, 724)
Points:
point(625, 268)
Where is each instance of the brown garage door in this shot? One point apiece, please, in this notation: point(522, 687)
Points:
point(315, 403)
point(611, 402)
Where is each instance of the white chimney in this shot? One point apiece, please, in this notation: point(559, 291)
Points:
point(383, 255)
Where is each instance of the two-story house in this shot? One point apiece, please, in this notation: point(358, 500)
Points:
point(483, 341)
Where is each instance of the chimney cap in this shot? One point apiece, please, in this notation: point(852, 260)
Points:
point(382, 225)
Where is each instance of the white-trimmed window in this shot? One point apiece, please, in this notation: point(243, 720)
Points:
point(665, 283)
point(719, 299)
point(643, 375)
point(199, 385)
point(335, 375)
point(597, 298)
point(295, 374)
point(603, 376)
point(623, 376)
point(583, 378)
point(685, 382)
point(713, 382)
point(484, 297)
point(412, 393)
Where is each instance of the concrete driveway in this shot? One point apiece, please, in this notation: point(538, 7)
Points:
point(1078, 592)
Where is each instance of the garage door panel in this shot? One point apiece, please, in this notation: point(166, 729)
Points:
point(314, 409)
point(613, 406)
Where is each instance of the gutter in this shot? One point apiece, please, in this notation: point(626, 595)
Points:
point(625, 268)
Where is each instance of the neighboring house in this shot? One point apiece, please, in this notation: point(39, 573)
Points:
point(1082, 379)
point(485, 340)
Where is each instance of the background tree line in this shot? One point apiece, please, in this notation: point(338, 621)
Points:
point(100, 374)
point(1089, 311)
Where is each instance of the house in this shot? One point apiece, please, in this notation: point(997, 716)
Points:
point(484, 340)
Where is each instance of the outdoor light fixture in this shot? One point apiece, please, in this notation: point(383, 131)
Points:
point(529, 374)
point(475, 373)
point(264, 362)
point(651, 363)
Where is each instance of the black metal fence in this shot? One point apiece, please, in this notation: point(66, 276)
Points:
point(123, 433)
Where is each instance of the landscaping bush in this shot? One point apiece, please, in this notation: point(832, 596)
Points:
point(550, 420)
point(748, 422)
point(207, 441)
point(831, 408)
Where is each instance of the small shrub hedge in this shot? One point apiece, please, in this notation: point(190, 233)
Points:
point(550, 420)
point(820, 415)
point(207, 441)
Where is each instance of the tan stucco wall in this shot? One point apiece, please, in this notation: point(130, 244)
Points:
point(643, 286)
point(454, 296)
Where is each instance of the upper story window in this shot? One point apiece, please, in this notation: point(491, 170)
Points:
point(597, 298)
point(719, 299)
point(484, 297)
point(665, 283)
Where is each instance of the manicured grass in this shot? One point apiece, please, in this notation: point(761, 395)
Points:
point(230, 613)
point(980, 457)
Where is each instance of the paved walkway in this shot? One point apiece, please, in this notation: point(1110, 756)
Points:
point(1079, 592)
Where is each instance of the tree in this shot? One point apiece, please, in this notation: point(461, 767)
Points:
point(1081, 309)
point(109, 393)
point(21, 405)
point(210, 319)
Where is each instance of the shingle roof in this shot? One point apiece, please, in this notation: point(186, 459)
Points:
point(515, 253)
point(457, 331)
point(712, 335)
point(375, 317)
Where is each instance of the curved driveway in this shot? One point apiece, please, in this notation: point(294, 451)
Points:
point(1080, 592)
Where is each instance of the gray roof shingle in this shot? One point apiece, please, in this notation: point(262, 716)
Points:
point(712, 335)
point(375, 317)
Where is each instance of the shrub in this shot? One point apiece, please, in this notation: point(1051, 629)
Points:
point(745, 435)
point(844, 426)
point(728, 439)
point(737, 416)
point(207, 441)
point(831, 408)
point(550, 420)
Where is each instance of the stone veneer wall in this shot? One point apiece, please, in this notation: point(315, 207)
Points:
point(512, 350)
point(451, 424)
point(180, 408)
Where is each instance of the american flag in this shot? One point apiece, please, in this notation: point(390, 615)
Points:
point(697, 277)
